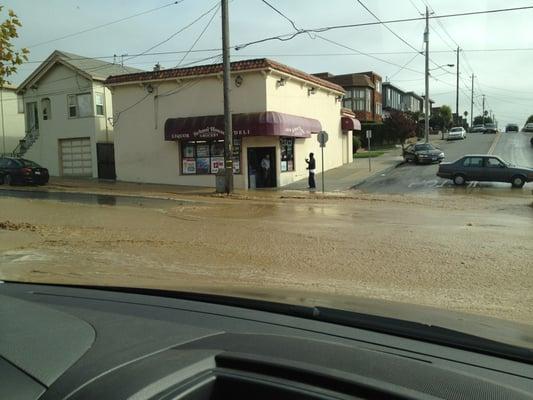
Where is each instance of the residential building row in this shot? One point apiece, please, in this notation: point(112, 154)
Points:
point(90, 118)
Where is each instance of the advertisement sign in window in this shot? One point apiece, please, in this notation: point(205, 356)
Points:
point(216, 164)
point(189, 166)
point(202, 165)
point(202, 150)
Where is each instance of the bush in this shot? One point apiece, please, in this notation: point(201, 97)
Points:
point(356, 143)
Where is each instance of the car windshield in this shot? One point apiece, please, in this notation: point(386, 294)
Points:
point(303, 157)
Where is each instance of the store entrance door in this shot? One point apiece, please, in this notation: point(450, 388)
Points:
point(259, 177)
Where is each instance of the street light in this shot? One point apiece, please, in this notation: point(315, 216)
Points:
point(441, 66)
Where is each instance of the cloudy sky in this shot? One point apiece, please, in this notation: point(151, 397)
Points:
point(497, 48)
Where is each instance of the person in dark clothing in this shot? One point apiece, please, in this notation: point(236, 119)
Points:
point(311, 166)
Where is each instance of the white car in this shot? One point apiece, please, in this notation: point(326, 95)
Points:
point(457, 133)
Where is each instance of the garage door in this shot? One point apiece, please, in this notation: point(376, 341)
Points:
point(76, 157)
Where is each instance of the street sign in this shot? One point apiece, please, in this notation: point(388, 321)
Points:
point(322, 138)
point(368, 134)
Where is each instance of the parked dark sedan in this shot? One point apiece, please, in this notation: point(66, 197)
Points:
point(422, 153)
point(484, 168)
point(22, 171)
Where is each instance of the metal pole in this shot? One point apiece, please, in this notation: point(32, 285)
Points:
point(322, 148)
point(483, 113)
point(2, 112)
point(472, 104)
point(369, 156)
point(228, 129)
point(426, 40)
point(457, 91)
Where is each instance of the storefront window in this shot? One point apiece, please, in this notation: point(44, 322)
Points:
point(207, 157)
point(287, 154)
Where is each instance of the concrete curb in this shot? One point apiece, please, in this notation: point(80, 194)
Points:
point(383, 171)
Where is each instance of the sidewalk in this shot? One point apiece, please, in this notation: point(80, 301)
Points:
point(336, 180)
point(347, 176)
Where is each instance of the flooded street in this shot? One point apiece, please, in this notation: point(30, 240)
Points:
point(466, 255)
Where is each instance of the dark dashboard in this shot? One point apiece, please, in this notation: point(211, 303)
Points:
point(61, 342)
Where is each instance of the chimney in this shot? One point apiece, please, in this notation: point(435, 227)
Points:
point(157, 67)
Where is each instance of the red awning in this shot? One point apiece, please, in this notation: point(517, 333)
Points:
point(267, 123)
point(350, 124)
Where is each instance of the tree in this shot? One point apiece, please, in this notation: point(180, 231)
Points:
point(10, 58)
point(479, 120)
point(446, 115)
point(465, 114)
point(530, 119)
point(399, 126)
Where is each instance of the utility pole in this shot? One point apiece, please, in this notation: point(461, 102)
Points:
point(472, 104)
point(457, 91)
point(426, 40)
point(228, 129)
point(483, 114)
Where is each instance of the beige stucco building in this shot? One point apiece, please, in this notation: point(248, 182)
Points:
point(67, 110)
point(168, 124)
point(11, 119)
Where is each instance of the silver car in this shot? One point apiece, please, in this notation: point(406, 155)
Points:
point(456, 133)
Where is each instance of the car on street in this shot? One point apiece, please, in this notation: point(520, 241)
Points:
point(512, 128)
point(21, 171)
point(478, 128)
point(484, 168)
point(490, 128)
point(528, 127)
point(422, 153)
point(457, 133)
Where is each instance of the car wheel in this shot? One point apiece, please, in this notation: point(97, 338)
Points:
point(459, 180)
point(518, 181)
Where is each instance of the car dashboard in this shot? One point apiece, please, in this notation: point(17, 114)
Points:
point(82, 343)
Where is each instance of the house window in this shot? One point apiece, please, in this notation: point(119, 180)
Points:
point(359, 99)
point(378, 86)
point(20, 105)
point(45, 108)
point(79, 105)
point(99, 100)
point(205, 157)
point(287, 154)
point(347, 103)
point(368, 100)
point(379, 110)
point(32, 117)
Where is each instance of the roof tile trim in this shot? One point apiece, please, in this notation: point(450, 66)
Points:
point(245, 65)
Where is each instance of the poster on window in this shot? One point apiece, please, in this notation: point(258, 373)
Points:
point(216, 164)
point(283, 166)
point(202, 150)
point(290, 166)
point(188, 150)
point(202, 165)
point(236, 166)
point(189, 166)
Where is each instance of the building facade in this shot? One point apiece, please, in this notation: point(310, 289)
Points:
point(412, 102)
point(67, 116)
point(11, 119)
point(392, 98)
point(363, 93)
point(175, 133)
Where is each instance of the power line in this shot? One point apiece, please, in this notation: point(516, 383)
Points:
point(416, 8)
point(283, 15)
point(106, 24)
point(286, 37)
point(199, 37)
point(173, 35)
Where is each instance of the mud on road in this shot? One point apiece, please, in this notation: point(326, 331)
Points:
point(473, 256)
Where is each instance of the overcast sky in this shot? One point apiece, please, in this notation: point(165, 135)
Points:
point(504, 76)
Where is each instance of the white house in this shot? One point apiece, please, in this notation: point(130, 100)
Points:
point(169, 124)
point(67, 113)
point(11, 119)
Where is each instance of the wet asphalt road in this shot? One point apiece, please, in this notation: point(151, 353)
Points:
point(410, 178)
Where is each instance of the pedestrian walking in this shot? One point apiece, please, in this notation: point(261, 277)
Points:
point(265, 168)
point(311, 166)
